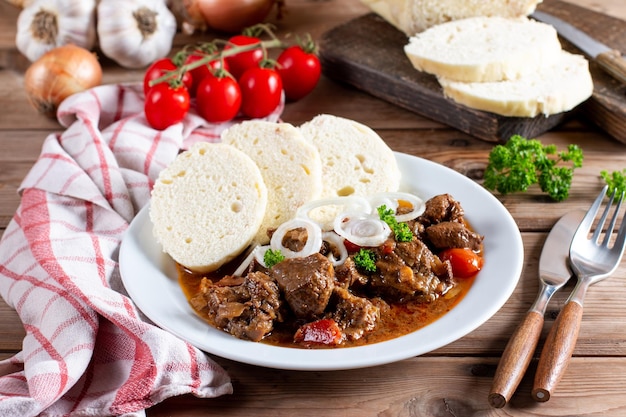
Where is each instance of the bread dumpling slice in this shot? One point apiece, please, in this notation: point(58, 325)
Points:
point(208, 205)
point(550, 90)
point(414, 16)
point(355, 159)
point(289, 164)
point(484, 49)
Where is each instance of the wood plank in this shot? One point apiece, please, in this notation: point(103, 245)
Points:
point(379, 66)
point(11, 330)
point(406, 389)
point(20, 150)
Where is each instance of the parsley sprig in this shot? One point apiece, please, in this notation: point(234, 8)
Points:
point(616, 181)
point(271, 257)
point(365, 260)
point(401, 231)
point(522, 162)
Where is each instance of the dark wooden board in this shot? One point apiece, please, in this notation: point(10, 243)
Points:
point(367, 52)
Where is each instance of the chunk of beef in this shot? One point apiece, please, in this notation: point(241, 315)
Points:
point(453, 235)
point(441, 208)
point(244, 307)
point(410, 270)
point(418, 256)
point(347, 275)
point(307, 284)
point(354, 315)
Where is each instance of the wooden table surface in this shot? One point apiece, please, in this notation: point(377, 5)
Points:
point(451, 381)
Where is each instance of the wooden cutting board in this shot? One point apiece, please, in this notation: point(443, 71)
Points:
point(367, 52)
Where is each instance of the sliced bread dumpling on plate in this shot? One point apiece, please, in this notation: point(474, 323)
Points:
point(207, 205)
point(289, 164)
point(356, 161)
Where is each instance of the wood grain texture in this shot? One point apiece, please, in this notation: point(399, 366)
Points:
point(613, 63)
point(557, 351)
point(454, 380)
point(515, 359)
point(417, 387)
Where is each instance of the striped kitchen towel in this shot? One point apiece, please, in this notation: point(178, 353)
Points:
point(88, 351)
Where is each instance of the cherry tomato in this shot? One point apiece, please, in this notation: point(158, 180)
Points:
point(261, 91)
point(203, 71)
point(465, 262)
point(300, 71)
point(166, 105)
point(321, 332)
point(351, 247)
point(242, 61)
point(218, 99)
point(158, 69)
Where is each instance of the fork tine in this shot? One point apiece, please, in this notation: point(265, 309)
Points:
point(620, 240)
point(611, 226)
point(587, 221)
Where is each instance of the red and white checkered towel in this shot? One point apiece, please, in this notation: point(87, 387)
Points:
point(87, 350)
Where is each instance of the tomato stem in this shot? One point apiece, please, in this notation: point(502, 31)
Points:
point(221, 49)
point(219, 54)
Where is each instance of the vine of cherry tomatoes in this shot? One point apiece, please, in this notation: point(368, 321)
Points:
point(224, 80)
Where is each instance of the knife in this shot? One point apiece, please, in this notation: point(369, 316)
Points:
point(611, 60)
point(554, 272)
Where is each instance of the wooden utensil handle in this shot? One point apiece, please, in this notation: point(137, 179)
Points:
point(557, 351)
point(515, 359)
point(614, 63)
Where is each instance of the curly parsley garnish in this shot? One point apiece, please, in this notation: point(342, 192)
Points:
point(616, 181)
point(522, 162)
point(365, 260)
point(271, 257)
point(401, 231)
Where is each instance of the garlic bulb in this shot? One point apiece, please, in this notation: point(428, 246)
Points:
point(134, 33)
point(46, 24)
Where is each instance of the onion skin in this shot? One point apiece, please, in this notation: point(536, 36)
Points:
point(228, 15)
point(58, 74)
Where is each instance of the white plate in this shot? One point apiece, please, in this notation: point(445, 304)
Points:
point(151, 281)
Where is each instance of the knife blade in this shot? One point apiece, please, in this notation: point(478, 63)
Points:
point(611, 60)
point(554, 272)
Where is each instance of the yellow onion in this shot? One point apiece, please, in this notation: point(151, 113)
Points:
point(226, 15)
point(58, 74)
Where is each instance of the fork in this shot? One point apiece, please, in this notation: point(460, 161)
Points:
point(591, 261)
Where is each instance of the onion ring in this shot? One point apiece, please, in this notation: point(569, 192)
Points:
point(337, 241)
point(349, 203)
point(362, 230)
point(416, 203)
point(313, 242)
point(253, 254)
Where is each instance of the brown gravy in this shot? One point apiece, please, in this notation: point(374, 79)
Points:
point(400, 320)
